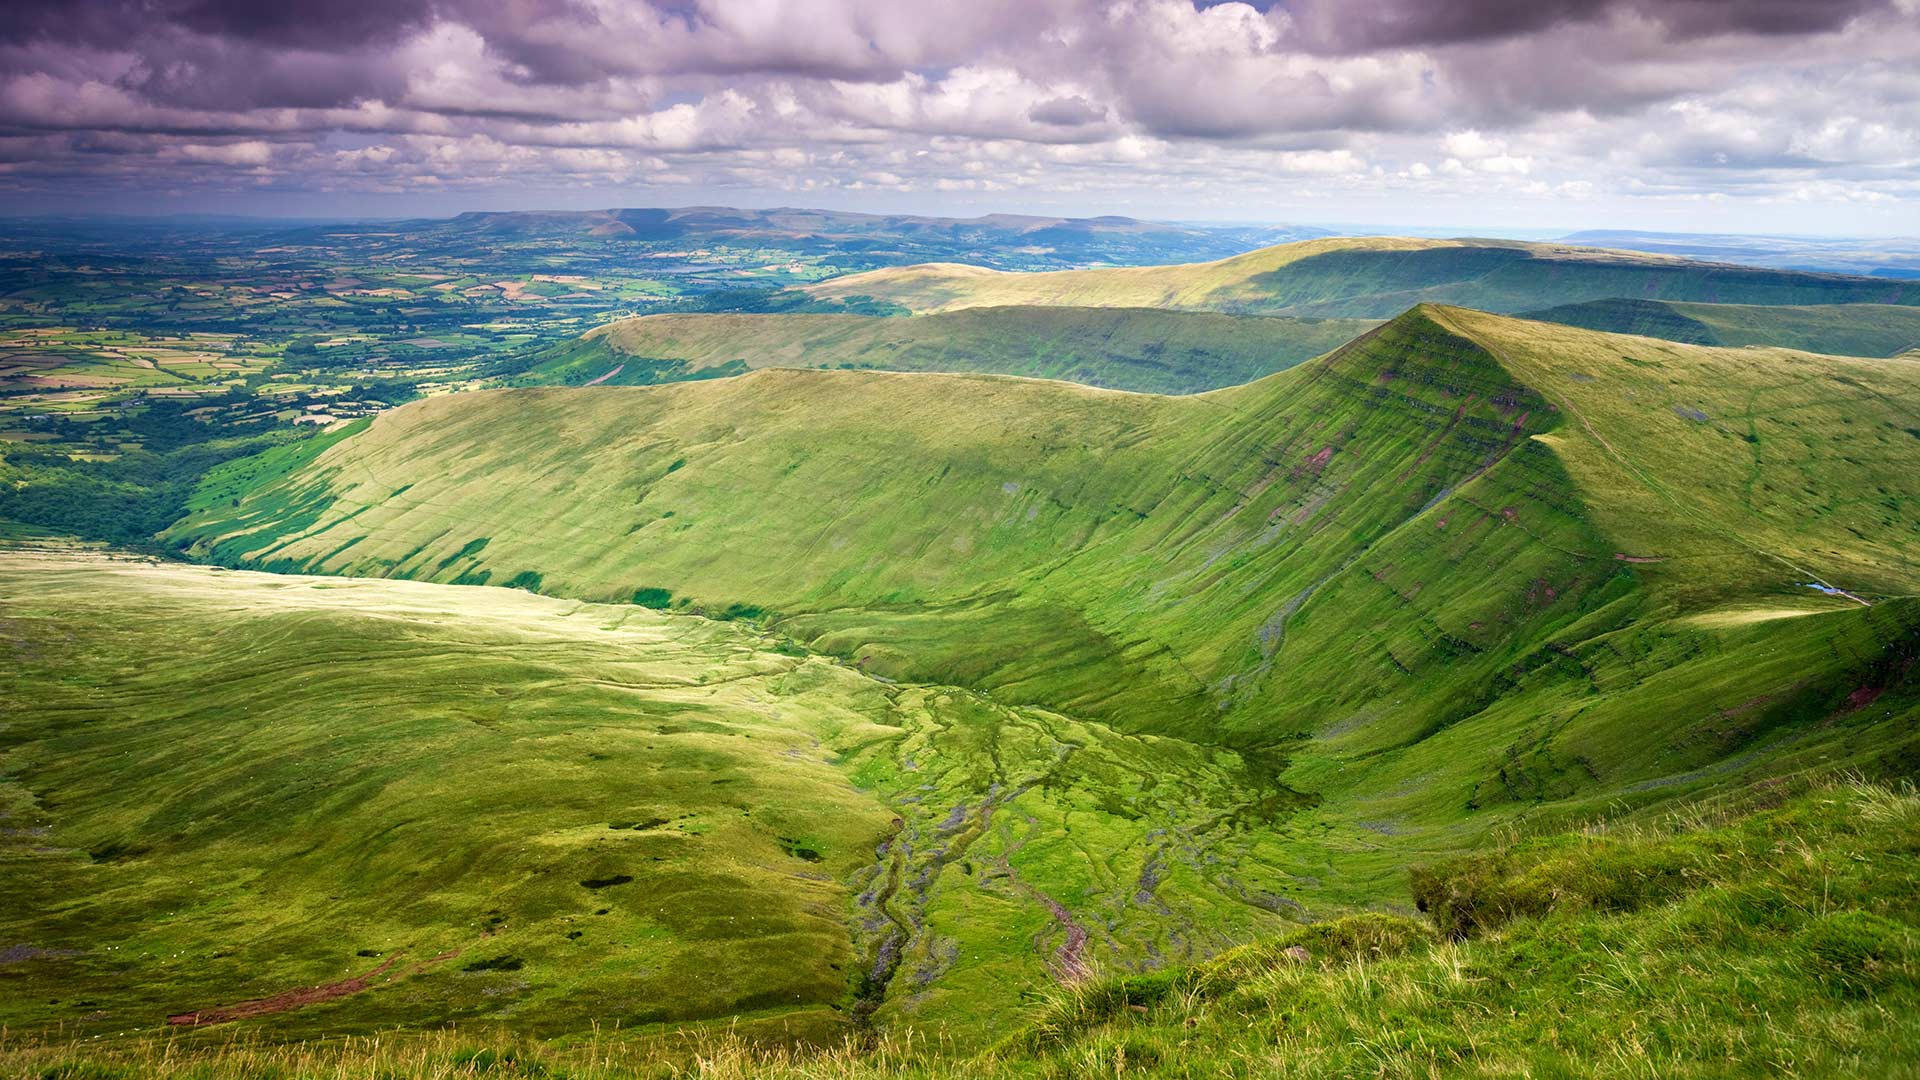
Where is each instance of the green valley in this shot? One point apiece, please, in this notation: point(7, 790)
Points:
point(751, 690)
point(1465, 574)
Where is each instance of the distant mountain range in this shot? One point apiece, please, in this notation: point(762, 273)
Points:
point(998, 240)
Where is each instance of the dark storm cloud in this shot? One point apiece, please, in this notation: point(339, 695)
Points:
point(307, 24)
point(87, 22)
point(218, 55)
point(234, 71)
point(1413, 23)
point(1689, 19)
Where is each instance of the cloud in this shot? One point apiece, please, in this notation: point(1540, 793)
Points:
point(1188, 104)
point(247, 152)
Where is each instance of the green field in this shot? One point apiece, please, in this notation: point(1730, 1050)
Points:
point(1368, 278)
point(1166, 352)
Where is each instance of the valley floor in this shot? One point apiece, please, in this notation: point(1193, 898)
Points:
point(388, 802)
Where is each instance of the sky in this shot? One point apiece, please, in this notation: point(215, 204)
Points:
point(1686, 115)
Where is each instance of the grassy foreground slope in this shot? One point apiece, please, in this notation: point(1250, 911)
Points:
point(1464, 564)
point(1167, 352)
point(1844, 329)
point(1775, 934)
point(1369, 278)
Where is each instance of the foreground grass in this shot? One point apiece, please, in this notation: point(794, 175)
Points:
point(1785, 942)
point(1773, 935)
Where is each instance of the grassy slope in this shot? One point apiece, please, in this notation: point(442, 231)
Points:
point(1466, 563)
point(1125, 349)
point(1368, 278)
point(410, 770)
point(1844, 329)
point(1781, 938)
point(369, 769)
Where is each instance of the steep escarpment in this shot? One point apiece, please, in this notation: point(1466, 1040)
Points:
point(1091, 549)
point(1457, 527)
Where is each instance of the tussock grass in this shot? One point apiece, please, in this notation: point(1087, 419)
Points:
point(480, 1052)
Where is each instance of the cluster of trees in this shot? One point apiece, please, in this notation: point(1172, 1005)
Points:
point(125, 501)
point(161, 452)
point(758, 301)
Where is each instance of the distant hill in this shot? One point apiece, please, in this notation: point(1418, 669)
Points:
point(995, 239)
point(1846, 329)
point(1893, 257)
point(1369, 278)
point(1169, 352)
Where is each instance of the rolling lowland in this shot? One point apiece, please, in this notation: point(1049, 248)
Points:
point(1483, 695)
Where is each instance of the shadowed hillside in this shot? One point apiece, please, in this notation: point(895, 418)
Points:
point(1370, 278)
point(1846, 329)
point(1120, 348)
